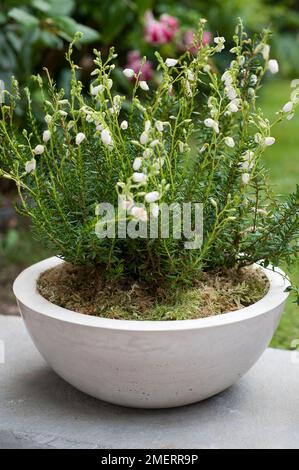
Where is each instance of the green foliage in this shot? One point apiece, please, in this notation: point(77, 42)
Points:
point(184, 146)
point(30, 29)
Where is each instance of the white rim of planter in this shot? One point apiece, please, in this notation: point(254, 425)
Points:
point(26, 292)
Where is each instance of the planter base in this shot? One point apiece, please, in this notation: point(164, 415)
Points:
point(149, 364)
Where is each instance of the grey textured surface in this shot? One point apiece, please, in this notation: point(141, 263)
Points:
point(40, 410)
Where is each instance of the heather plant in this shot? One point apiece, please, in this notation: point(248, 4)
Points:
point(197, 138)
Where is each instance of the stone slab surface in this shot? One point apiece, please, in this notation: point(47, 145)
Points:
point(39, 410)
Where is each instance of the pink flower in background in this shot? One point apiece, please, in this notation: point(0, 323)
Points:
point(159, 31)
point(189, 39)
point(134, 63)
point(170, 22)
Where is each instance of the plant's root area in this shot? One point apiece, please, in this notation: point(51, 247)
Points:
point(88, 291)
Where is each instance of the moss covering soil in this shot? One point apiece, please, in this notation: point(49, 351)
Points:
point(87, 291)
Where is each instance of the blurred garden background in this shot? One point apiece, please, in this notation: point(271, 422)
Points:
point(35, 34)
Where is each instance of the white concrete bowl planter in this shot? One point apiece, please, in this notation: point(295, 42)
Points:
point(148, 364)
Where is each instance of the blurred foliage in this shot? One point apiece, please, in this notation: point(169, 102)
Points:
point(34, 33)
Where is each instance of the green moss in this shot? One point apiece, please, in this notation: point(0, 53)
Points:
point(87, 291)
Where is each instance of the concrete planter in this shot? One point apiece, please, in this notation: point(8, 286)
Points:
point(148, 364)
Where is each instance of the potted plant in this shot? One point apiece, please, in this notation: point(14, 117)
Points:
point(163, 291)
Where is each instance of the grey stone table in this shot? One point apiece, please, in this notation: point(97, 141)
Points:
point(40, 410)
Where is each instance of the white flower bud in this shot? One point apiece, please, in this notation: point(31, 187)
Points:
point(124, 125)
point(229, 141)
point(109, 83)
point(231, 93)
point(139, 213)
point(143, 85)
point(48, 118)
point(171, 62)
point(253, 79)
point(219, 39)
point(129, 73)
point(79, 138)
point(139, 177)
point(62, 113)
point(30, 166)
point(137, 164)
point(147, 125)
point(106, 137)
point(245, 178)
point(39, 149)
point(211, 123)
point(144, 138)
point(288, 107)
point(147, 153)
point(273, 66)
point(269, 141)
point(232, 107)
point(46, 136)
point(152, 197)
point(159, 126)
point(266, 51)
point(96, 90)
point(63, 102)
point(227, 78)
